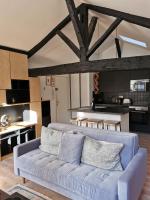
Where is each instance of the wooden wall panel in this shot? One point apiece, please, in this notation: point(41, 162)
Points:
point(36, 106)
point(5, 81)
point(19, 66)
point(35, 89)
point(2, 96)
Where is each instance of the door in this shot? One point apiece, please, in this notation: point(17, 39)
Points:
point(62, 95)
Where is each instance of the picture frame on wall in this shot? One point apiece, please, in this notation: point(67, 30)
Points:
point(52, 81)
point(48, 80)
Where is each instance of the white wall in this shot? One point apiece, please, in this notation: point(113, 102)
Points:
point(128, 50)
point(56, 52)
point(85, 88)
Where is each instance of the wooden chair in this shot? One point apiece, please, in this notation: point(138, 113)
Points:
point(116, 124)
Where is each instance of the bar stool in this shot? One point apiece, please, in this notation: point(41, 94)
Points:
point(82, 122)
point(74, 121)
point(79, 121)
point(95, 123)
point(108, 123)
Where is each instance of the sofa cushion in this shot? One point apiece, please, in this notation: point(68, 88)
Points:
point(104, 155)
point(50, 140)
point(130, 140)
point(71, 147)
point(87, 181)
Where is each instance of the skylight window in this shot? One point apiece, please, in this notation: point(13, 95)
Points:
point(133, 41)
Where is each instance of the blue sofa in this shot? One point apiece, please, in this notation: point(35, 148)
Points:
point(85, 182)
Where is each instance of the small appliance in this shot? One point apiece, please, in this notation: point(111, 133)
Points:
point(141, 85)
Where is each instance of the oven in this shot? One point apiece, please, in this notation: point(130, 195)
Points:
point(139, 119)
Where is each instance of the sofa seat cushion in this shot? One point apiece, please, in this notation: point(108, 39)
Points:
point(87, 181)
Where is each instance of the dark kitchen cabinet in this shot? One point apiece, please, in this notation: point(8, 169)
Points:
point(27, 134)
point(19, 93)
point(20, 84)
point(9, 140)
point(17, 96)
point(139, 121)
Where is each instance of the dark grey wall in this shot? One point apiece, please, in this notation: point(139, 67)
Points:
point(15, 112)
point(118, 83)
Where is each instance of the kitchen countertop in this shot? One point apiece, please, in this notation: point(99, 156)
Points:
point(104, 109)
point(16, 126)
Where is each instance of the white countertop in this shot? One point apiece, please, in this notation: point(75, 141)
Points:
point(16, 126)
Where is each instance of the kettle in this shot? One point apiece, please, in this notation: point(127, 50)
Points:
point(4, 120)
point(127, 101)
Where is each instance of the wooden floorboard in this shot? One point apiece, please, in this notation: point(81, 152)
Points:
point(145, 142)
point(8, 179)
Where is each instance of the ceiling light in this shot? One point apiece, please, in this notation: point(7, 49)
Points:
point(133, 41)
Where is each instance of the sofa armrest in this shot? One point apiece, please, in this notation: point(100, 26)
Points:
point(132, 180)
point(21, 149)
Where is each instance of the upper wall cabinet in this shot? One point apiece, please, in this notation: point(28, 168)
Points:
point(19, 66)
point(2, 97)
point(35, 95)
point(5, 82)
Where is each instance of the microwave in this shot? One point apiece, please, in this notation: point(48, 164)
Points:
point(141, 85)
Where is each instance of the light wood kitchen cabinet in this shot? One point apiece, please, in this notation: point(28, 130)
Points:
point(35, 93)
point(19, 66)
point(5, 80)
point(36, 107)
point(2, 97)
point(38, 128)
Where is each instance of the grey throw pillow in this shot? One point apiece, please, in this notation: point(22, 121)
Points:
point(71, 147)
point(50, 140)
point(104, 155)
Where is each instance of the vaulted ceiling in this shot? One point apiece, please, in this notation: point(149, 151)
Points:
point(24, 23)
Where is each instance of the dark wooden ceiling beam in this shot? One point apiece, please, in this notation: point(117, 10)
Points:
point(141, 21)
point(69, 43)
point(112, 27)
point(84, 28)
point(84, 18)
point(13, 50)
point(51, 34)
point(92, 27)
point(75, 20)
point(118, 48)
point(114, 64)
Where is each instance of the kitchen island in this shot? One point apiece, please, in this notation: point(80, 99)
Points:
point(105, 112)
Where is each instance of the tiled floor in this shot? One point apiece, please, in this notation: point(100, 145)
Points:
point(7, 178)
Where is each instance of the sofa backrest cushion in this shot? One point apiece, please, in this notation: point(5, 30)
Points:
point(50, 140)
point(102, 154)
point(130, 140)
point(71, 148)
